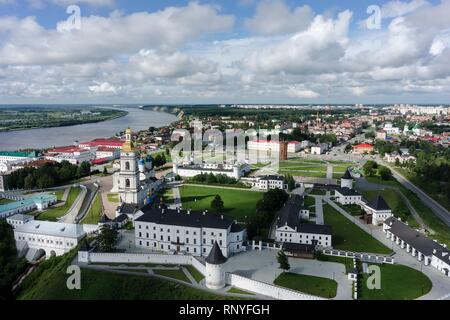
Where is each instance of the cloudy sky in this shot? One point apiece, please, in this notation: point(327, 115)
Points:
point(241, 51)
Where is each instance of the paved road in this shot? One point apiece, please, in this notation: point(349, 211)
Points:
point(438, 209)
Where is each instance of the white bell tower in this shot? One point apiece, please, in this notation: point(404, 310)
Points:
point(129, 172)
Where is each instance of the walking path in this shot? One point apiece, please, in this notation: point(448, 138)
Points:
point(74, 210)
point(319, 209)
point(65, 195)
point(176, 198)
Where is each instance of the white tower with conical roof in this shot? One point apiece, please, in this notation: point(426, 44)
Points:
point(347, 180)
point(215, 273)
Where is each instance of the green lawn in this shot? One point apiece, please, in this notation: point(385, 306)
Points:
point(174, 274)
point(317, 286)
point(310, 201)
point(195, 273)
point(113, 197)
point(398, 282)
point(53, 214)
point(5, 201)
point(353, 209)
point(238, 203)
point(303, 173)
point(59, 194)
point(347, 262)
point(133, 270)
point(95, 212)
point(239, 291)
point(348, 236)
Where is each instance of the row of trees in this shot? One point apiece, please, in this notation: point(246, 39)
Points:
point(213, 179)
point(49, 175)
point(159, 160)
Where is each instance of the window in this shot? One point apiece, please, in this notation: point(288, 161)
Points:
point(127, 183)
point(127, 165)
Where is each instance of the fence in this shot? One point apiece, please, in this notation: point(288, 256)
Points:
point(364, 257)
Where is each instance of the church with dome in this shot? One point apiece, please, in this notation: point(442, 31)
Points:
point(135, 182)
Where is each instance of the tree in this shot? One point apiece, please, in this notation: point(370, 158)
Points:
point(290, 182)
point(283, 261)
point(385, 173)
point(84, 169)
point(30, 182)
point(348, 148)
point(369, 168)
point(107, 239)
point(105, 170)
point(217, 203)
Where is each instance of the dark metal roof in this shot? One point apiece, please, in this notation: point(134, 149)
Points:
point(121, 218)
point(348, 192)
point(104, 219)
point(273, 177)
point(128, 208)
point(347, 175)
point(215, 255)
point(184, 218)
point(298, 247)
point(379, 204)
point(290, 215)
point(417, 240)
point(235, 227)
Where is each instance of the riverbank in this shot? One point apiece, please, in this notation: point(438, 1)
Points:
point(42, 138)
point(31, 119)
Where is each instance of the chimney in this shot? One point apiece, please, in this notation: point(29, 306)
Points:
point(162, 211)
point(221, 217)
point(189, 211)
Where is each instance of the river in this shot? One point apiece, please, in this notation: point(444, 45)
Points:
point(137, 119)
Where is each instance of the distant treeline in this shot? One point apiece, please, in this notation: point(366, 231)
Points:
point(47, 176)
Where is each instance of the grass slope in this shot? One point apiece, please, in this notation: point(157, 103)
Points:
point(48, 282)
point(348, 236)
point(54, 213)
point(95, 212)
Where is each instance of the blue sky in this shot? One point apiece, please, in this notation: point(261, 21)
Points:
point(243, 51)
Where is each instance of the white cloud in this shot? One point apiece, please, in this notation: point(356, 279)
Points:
point(104, 87)
point(99, 38)
point(294, 92)
point(275, 17)
point(397, 8)
point(315, 50)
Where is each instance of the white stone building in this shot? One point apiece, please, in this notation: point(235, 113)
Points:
point(179, 231)
point(346, 194)
point(273, 146)
point(37, 202)
point(319, 149)
point(425, 249)
point(291, 229)
point(270, 182)
point(215, 277)
point(189, 170)
point(377, 210)
point(52, 237)
point(18, 220)
point(402, 158)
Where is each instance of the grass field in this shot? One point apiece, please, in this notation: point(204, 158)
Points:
point(174, 274)
point(53, 214)
point(113, 197)
point(5, 201)
point(95, 212)
point(317, 286)
point(195, 273)
point(347, 262)
point(59, 194)
point(353, 209)
point(348, 236)
point(397, 283)
point(238, 203)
